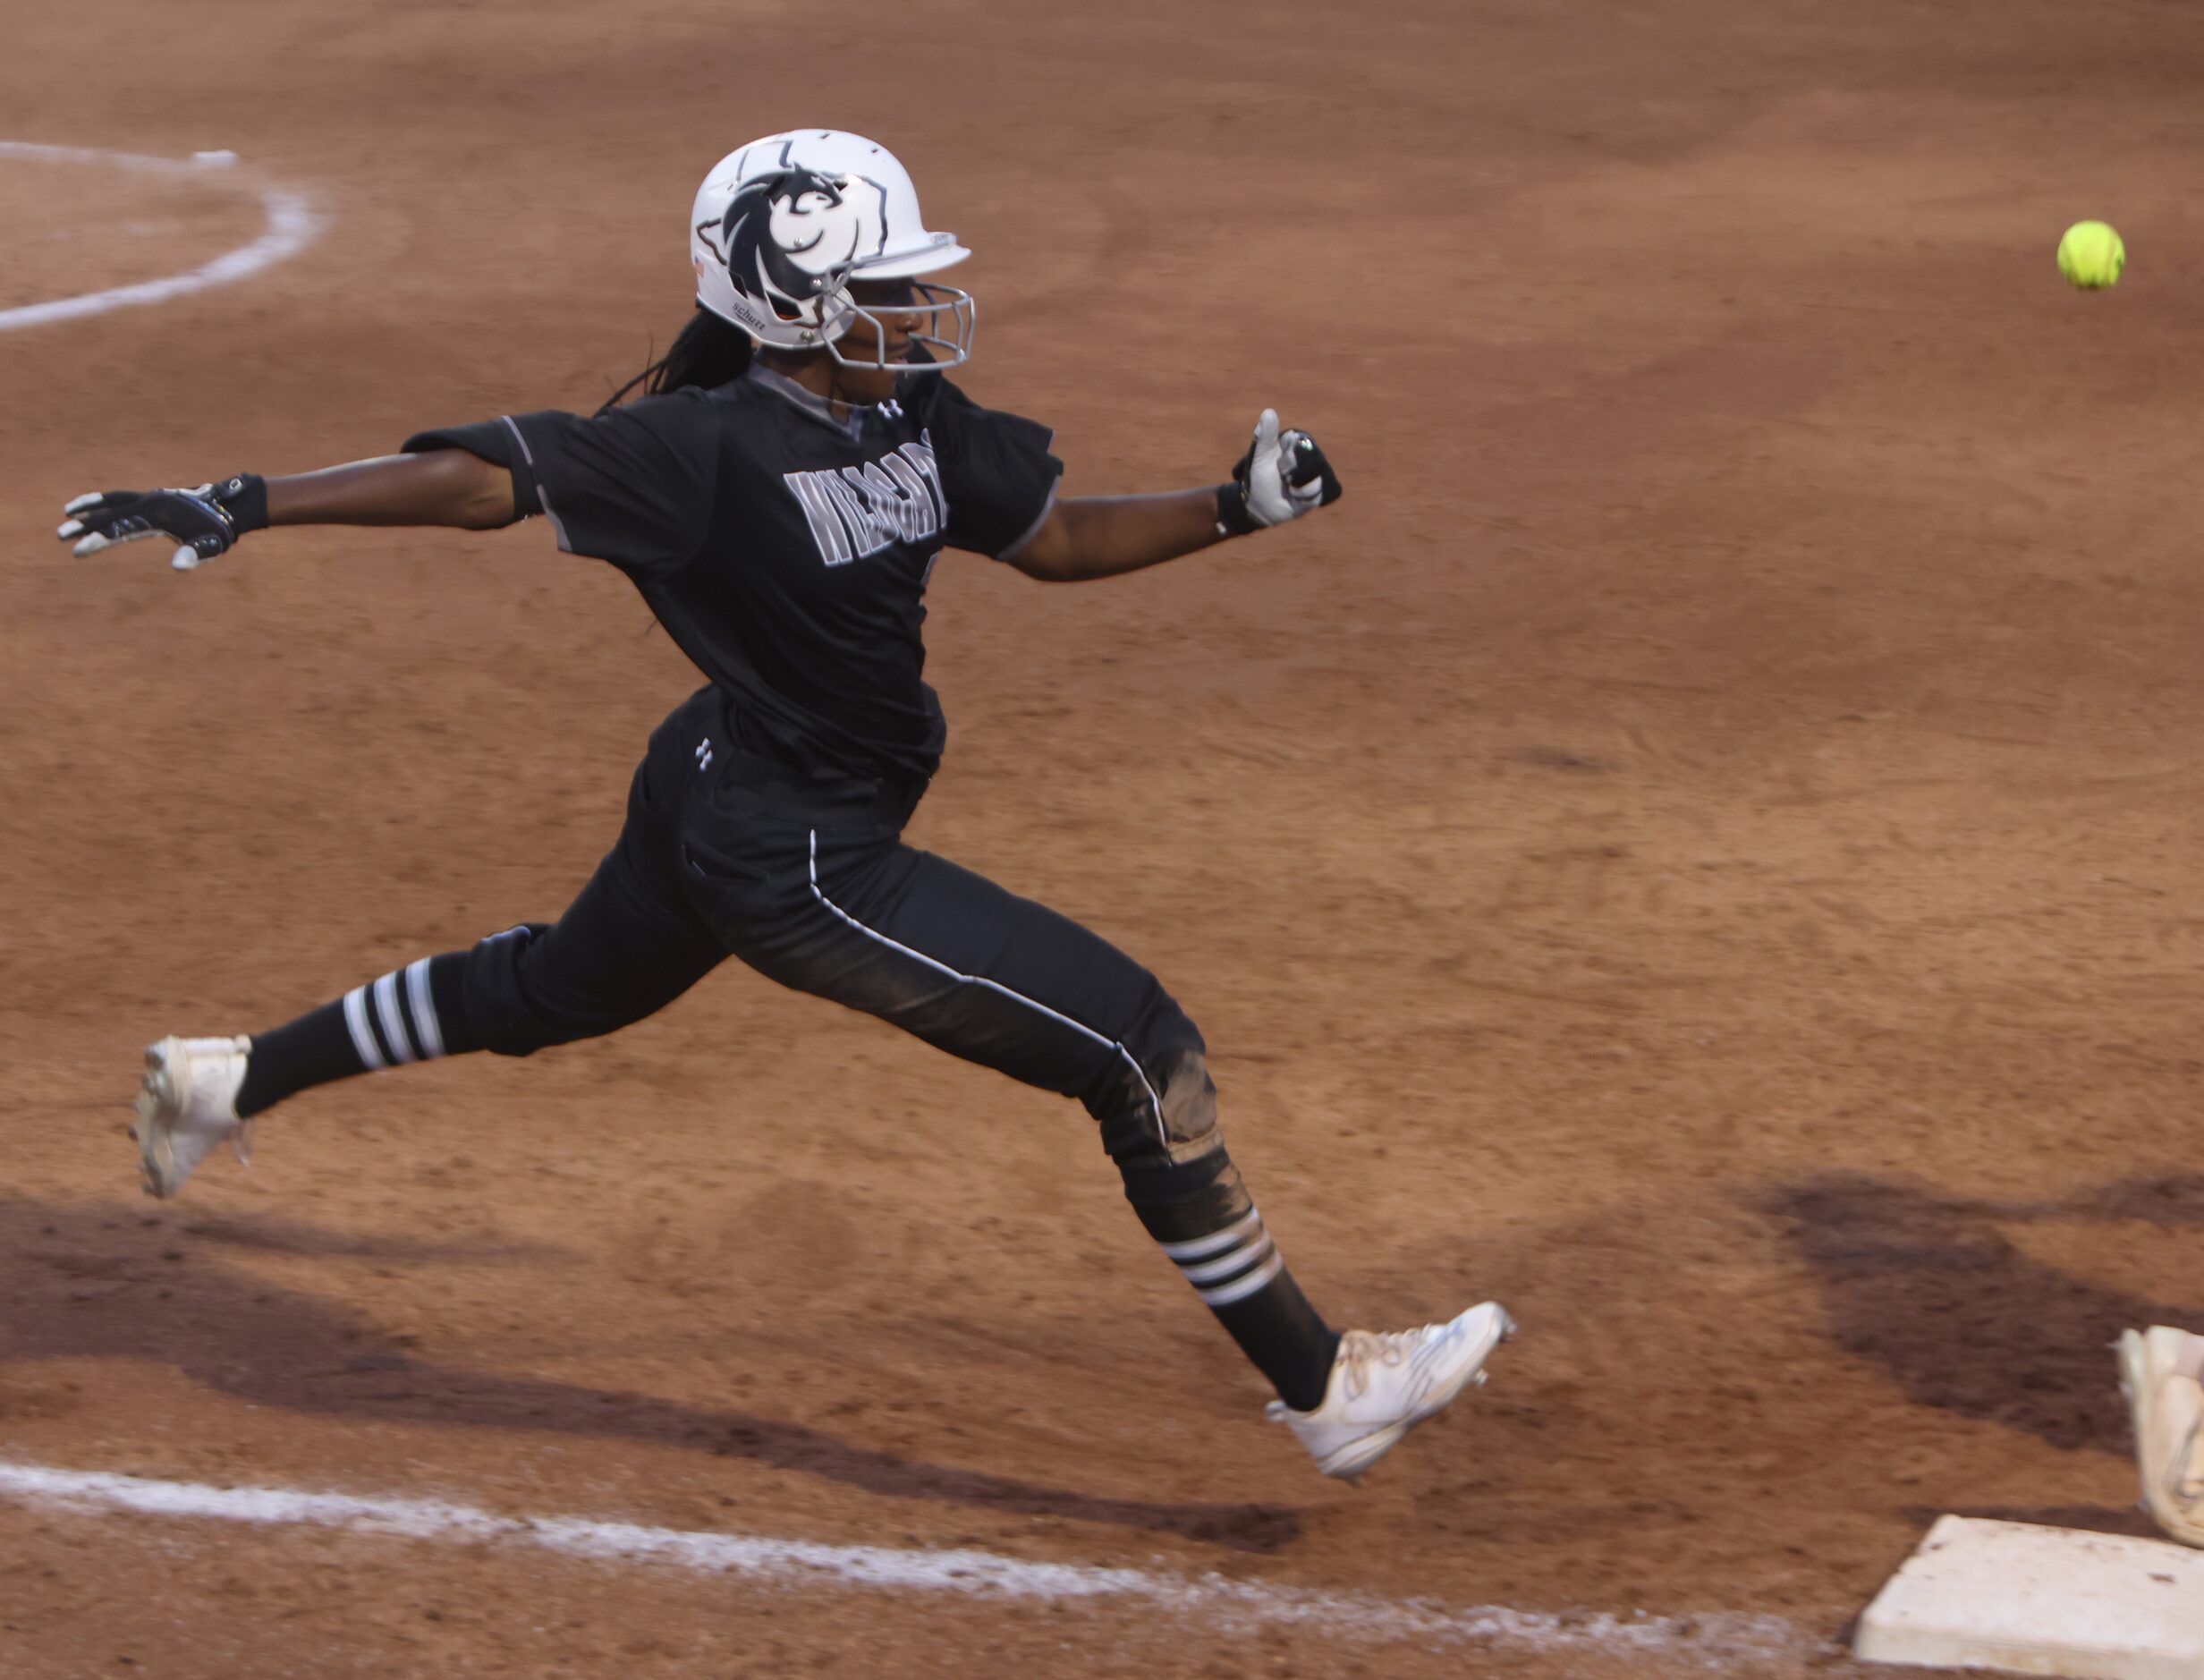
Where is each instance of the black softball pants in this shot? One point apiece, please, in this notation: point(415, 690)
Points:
point(724, 853)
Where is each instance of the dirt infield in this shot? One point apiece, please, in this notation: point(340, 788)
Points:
point(1701, 844)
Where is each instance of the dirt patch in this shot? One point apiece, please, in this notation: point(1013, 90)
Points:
point(79, 226)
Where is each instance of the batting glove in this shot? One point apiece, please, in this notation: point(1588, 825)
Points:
point(202, 524)
point(1283, 476)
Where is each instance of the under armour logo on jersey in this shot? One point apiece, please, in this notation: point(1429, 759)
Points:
point(854, 512)
point(703, 753)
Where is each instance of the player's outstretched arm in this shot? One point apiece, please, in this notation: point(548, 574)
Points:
point(441, 486)
point(1105, 535)
point(1283, 476)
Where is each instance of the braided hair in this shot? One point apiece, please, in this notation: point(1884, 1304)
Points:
point(707, 351)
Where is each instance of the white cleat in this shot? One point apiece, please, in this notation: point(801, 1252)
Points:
point(186, 1105)
point(2160, 1372)
point(1383, 1386)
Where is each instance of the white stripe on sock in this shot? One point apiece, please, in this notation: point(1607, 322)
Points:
point(1239, 1260)
point(394, 1023)
point(1225, 1294)
point(424, 1007)
point(363, 1035)
point(1200, 1247)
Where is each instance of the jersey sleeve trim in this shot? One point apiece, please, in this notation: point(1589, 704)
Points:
point(528, 457)
point(1049, 506)
point(492, 441)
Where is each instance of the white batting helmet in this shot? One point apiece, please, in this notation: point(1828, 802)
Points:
point(781, 226)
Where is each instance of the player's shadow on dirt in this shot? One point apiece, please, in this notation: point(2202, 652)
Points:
point(1934, 1293)
point(273, 1236)
point(88, 1283)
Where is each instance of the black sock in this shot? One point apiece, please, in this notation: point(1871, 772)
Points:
point(411, 1014)
point(1203, 1217)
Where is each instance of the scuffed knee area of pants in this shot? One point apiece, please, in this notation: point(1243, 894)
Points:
point(1177, 1203)
point(1189, 1108)
point(1162, 1113)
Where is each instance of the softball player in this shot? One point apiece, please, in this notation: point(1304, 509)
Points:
point(779, 493)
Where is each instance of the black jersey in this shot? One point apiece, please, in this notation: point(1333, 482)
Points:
point(784, 550)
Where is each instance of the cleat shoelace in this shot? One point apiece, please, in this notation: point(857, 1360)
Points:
point(1361, 1349)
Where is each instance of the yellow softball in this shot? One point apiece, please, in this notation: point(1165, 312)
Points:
point(2091, 256)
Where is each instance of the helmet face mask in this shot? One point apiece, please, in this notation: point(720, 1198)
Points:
point(783, 227)
point(937, 323)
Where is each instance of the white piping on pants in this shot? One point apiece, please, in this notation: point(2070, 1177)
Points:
point(1163, 1135)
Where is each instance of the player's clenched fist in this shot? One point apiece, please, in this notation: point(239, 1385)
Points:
point(202, 524)
point(1283, 476)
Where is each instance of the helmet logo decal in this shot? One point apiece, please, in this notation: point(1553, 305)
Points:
point(789, 239)
point(785, 227)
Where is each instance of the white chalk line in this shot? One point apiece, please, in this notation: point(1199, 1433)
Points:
point(1712, 1642)
point(293, 225)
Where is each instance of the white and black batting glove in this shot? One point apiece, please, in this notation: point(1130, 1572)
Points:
point(202, 524)
point(1283, 476)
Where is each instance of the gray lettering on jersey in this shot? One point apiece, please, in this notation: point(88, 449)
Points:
point(880, 521)
point(867, 535)
point(907, 520)
point(833, 544)
point(920, 455)
point(854, 512)
point(921, 513)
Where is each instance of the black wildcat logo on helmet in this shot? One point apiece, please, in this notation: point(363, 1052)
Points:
point(786, 240)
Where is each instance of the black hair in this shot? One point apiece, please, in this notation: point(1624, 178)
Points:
point(709, 352)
